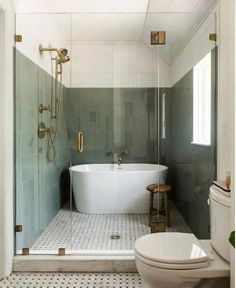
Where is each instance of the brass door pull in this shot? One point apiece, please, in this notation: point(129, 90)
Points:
point(80, 141)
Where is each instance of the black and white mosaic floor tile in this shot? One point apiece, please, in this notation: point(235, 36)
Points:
point(77, 231)
point(73, 280)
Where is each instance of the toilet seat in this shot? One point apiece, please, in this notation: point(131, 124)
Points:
point(171, 251)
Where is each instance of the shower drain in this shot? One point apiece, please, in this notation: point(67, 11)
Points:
point(115, 236)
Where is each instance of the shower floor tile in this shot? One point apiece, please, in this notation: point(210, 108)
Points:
point(77, 231)
point(73, 280)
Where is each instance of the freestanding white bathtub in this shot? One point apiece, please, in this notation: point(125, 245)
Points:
point(113, 189)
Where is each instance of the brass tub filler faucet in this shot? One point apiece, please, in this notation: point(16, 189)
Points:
point(119, 159)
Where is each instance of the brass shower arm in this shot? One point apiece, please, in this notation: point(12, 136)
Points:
point(42, 49)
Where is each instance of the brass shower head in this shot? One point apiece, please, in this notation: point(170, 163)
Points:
point(61, 53)
point(63, 59)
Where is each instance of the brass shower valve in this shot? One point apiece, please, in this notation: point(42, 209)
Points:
point(44, 108)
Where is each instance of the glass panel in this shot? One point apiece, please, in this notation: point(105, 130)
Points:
point(133, 103)
point(42, 175)
point(191, 168)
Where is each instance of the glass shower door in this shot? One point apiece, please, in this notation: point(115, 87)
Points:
point(42, 80)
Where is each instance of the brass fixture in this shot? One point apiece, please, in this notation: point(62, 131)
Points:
point(25, 251)
point(213, 37)
point(18, 228)
point(61, 53)
point(158, 37)
point(59, 59)
point(158, 227)
point(42, 130)
point(44, 108)
point(119, 159)
point(80, 141)
point(61, 251)
point(18, 38)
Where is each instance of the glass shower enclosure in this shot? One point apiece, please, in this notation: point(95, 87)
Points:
point(132, 101)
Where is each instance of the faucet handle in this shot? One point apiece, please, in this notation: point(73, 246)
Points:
point(113, 152)
point(126, 152)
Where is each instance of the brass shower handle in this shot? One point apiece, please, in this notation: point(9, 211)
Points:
point(43, 130)
point(80, 141)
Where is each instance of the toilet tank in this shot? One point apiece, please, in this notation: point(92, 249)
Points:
point(220, 221)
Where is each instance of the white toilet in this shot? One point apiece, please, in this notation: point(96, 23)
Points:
point(180, 260)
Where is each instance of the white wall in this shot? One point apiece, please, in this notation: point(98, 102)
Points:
point(195, 50)
point(6, 139)
point(226, 105)
point(43, 29)
point(116, 64)
point(81, 6)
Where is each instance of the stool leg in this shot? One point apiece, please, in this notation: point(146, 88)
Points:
point(150, 209)
point(166, 209)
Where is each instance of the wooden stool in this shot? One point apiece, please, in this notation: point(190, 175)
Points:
point(159, 188)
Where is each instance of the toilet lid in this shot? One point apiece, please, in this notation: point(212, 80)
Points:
point(179, 248)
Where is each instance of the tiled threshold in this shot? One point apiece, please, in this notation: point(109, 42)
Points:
point(76, 263)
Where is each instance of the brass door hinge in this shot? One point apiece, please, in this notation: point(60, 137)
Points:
point(18, 38)
point(212, 37)
point(158, 37)
point(62, 251)
point(25, 251)
point(18, 228)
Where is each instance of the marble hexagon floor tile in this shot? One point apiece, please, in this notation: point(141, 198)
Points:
point(73, 280)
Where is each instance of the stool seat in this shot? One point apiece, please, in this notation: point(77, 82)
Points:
point(159, 188)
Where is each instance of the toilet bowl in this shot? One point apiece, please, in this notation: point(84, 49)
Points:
point(180, 260)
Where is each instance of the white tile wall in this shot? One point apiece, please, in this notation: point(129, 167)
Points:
point(116, 64)
point(43, 29)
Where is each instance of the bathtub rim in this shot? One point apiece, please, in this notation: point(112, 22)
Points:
point(163, 168)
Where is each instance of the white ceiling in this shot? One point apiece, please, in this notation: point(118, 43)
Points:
point(109, 20)
point(116, 26)
point(110, 6)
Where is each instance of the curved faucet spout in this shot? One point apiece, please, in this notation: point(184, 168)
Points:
point(119, 160)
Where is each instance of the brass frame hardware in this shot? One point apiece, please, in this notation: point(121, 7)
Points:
point(18, 228)
point(42, 130)
point(61, 251)
point(18, 38)
point(158, 37)
point(44, 108)
point(158, 227)
point(80, 141)
point(25, 251)
point(213, 37)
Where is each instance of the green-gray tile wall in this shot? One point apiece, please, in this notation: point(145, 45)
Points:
point(113, 118)
point(37, 180)
point(191, 167)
